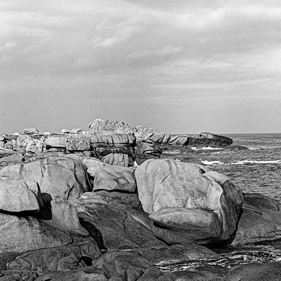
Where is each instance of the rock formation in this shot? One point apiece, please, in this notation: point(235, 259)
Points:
point(75, 206)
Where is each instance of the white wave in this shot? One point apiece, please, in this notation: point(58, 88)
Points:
point(212, 162)
point(206, 148)
point(256, 162)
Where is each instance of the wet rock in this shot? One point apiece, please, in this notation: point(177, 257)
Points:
point(60, 177)
point(210, 197)
point(253, 272)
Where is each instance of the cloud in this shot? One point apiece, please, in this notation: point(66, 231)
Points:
point(146, 49)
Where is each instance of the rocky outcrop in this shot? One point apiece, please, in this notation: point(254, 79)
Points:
point(189, 202)
point(60, 177)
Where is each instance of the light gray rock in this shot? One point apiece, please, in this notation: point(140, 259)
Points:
point(210, 198)
point(19, 196)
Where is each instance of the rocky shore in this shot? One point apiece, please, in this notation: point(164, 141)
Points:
point(106, 204)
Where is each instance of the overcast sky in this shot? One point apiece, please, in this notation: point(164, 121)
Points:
point(180, 66)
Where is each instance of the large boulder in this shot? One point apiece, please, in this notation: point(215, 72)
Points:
point(188, 198)
point(60, 177)
point(19, 196)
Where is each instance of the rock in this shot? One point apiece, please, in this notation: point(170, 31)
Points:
point(77, 143)
point(21, 234)
point(118, 159)
point(109, 177)
point(169, 183)
point(56, 141)
point(146, 151)
point(77, 254)
point(252, 227)
point(65, 217)
point(99, 125)
point(259, 202)
point(30, 130)
point(177, 253)
point(72, 276)
point(113, 197)
point(19, 196)
point(100, 152)
point(182, 225)
point(118, 229)
point(114, 140)
point(217, 139)
point(60, 177)
point(11, 159)
point(199, 275)
point(255, 271)
point(260, 220)
point(126, 265)
point(23, 140)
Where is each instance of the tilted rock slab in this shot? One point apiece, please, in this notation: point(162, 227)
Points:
point(60, 177)
point(191, 203)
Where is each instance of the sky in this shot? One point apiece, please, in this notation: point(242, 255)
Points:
point(173, 65)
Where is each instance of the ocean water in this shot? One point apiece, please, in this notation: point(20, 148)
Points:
point(257, 169)
point(253, 163)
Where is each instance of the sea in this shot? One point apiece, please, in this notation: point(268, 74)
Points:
point(253, 163)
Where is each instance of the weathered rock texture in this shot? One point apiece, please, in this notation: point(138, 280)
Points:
point(188, 201)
